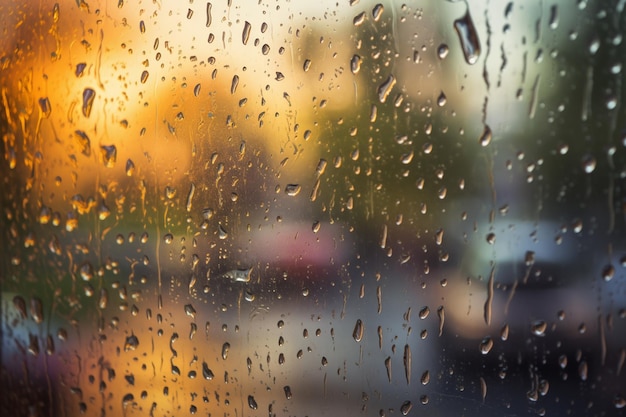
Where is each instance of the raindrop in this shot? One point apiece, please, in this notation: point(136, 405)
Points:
point(407, 359)
point(357, 334)
point(206, 372)
point(292, 190)
point(130, 168)
point(88, 96)
point(359, 19)
point(442, 100)
point(468, 37)
point(491, 238)
point(222, 233)
point(86, 271)
point(239, 275)
point(190, 311)
point(385, 88)
point(44, 106)
point(307, 65)
point(225, 350)
point(144, 76)
point(589, 163)
point(485, 137)
point(504, 332)
point(608, 272)
point(287, 390)
point(109, 155)
point(245, 35)
point(538, 328)
point(442, 51)
point(406, 407)
point(131, 343)
point(425, 379)
point(252, 402)
point(485, 345)
point(196, 90)
point(377, 11)
point(355, 64)
point(36, 309)
point(80, 68)
point(234, 84)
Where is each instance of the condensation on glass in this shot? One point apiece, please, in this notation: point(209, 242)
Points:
point(247, 208)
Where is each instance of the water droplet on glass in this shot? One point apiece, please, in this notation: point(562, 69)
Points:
point(109, 155)
point(491, 238)
point(307, 65)
point(88, 97)
point(468, 37)
point(130, 168)
point(252, 402)
point(377, 11)
point(144, 76)
point(222, 233)
point(234, 83)
point(442, 99)
point(225, 350)
point(407, 359)
point(355, 64)
point(385, 88)
point(406, 407)
point(196, 90)
point(425, 379)
point(239, 275)
point(538, 328)
point(357, 334)
point(583, 370)
point(607, 272)
point(292, 190)
point(485, 345)
point(44, 106)
point(131, 343)
point(589, 163)
point(190, 311)
point(206, 372)
point(485, 137)
point(443, 51)
point(359, 19)
point(245, 35)
point(287, 390)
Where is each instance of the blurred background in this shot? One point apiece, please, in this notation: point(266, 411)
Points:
point(289, 208)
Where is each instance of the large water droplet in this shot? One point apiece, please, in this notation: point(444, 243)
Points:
point(469, 38)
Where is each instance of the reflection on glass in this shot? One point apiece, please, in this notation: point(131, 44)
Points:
point(293, 208)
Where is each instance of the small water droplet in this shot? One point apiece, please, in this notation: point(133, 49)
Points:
point(443, 51)
point(88, 97)
point(491, 238)
point(357, 334)
point(225, 350)
point(44, 106)
point(109, 155)
point(485, 137)
point(589, 163)
point(292, 190)
point(607, 272)
point(20, 305)
point(144, 76)
point(130, 168)
point(287, 390)
point(539, 327)
point(190, 311)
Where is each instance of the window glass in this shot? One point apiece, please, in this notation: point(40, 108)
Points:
point(312, 208)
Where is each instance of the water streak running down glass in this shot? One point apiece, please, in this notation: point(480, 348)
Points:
point(289, 208)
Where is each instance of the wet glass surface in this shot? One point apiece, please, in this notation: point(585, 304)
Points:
point(312, 208)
